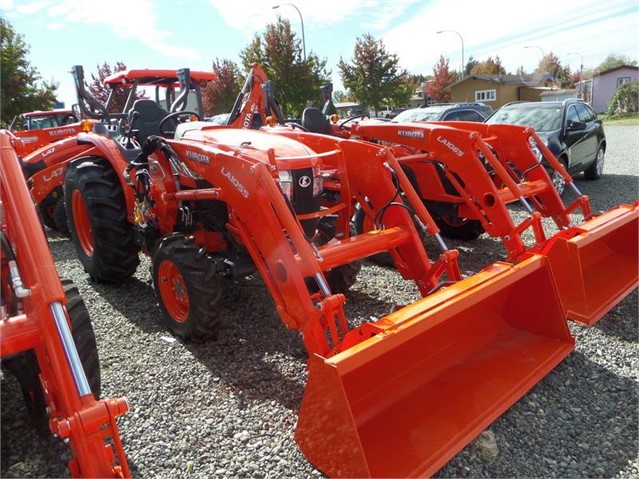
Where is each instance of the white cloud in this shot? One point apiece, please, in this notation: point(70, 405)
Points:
point(127, 19)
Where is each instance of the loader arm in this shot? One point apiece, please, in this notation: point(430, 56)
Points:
point(74, 413)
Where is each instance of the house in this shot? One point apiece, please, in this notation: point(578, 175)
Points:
point(606, 83)
point(497, 90)
point(558, 94)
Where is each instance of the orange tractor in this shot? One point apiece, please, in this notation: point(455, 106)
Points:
point(467, 174)
point(209, 202)
point(220, 202)
point(47, 340)
point(44, 162)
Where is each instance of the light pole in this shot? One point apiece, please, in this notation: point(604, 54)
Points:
point(462, 43)
point(581, 72)
point(539, 48)
point(301, 21)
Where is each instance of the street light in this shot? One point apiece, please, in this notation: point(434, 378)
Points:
point(462, 43)
point(581, 71)
point(539, 48)
point(301, 21)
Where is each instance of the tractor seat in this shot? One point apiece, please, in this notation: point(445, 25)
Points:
point(315, 121)
point(145, 117)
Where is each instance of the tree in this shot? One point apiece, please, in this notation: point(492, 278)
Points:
point(101, 93)
point(373, 75)
point(470, 65)
point(442, 78)
point(550, 63)
point(489, 67)
point(20, 81)
point(218, 96)
point(279, 53)
point(614, 61)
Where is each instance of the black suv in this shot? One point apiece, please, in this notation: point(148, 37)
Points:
point(570, 129)
point(447, 112)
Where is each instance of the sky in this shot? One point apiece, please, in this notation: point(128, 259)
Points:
point(194, 33)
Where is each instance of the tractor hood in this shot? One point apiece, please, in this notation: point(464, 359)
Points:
point(251, 142)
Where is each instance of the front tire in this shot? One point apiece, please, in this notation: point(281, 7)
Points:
point(97, 218)
point(341, 278)
point(459, 228)
point(26, 369)
point(595, 170)
point(187, 288)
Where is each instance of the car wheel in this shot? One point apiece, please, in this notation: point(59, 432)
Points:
point(557, 179)
point(595, 170)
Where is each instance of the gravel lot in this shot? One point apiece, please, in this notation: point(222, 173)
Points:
point(228, 408)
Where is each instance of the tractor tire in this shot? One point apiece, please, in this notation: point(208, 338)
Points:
point(460, 229)
point(60, 218)
point(26, 369)
point(187, 288)
point(97, 218)
point(381, 259)
point(46, 210)
point(341, 278)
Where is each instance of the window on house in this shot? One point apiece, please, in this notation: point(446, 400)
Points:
point(486, 95)
point(622, 81)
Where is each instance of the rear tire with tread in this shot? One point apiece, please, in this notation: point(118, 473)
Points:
point(102, 234)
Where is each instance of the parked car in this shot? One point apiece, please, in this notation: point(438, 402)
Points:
point(447, 112)
point(570, 129)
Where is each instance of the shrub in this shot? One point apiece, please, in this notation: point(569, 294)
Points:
point(625, 101)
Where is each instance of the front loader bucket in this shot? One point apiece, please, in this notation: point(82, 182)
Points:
point(404, 401)
point(596, 264)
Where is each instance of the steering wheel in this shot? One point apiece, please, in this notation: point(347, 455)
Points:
point(175, 118)
point(342, 125)
point(69, 119)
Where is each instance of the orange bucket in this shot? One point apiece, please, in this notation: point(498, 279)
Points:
point(596, 264)
point(403, 402)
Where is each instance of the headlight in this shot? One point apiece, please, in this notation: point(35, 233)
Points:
point(318, 182)
point(535, 149)
point(286, 183)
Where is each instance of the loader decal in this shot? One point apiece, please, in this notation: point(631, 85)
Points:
point(198, 157)
point(451, 146)
point(235, 182)
point(410, 134)
point(63, 131)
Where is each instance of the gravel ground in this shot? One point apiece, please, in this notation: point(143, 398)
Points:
point(228, 408)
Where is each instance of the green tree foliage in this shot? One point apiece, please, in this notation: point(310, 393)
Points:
point(625, 101)
point(614, 61)
point(218, 96)
point(443, 77)
point(279, 53)
point(373, 76)
point(488, 67)
point(20, 81)
point(470, 64)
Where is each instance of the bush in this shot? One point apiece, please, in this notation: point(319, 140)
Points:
point(625, 101)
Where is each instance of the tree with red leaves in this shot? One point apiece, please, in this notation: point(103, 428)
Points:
point(101, 93)
point(218, 96)
point(442, 78)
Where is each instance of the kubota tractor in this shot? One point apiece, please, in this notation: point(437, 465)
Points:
point(216, 202)
point(467, 174)
point(47, 340)
point(45, 166)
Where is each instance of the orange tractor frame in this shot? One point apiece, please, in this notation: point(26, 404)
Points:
point(40, 316)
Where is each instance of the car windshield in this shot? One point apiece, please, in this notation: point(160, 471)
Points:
point(417, 115)
point(539, 118)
